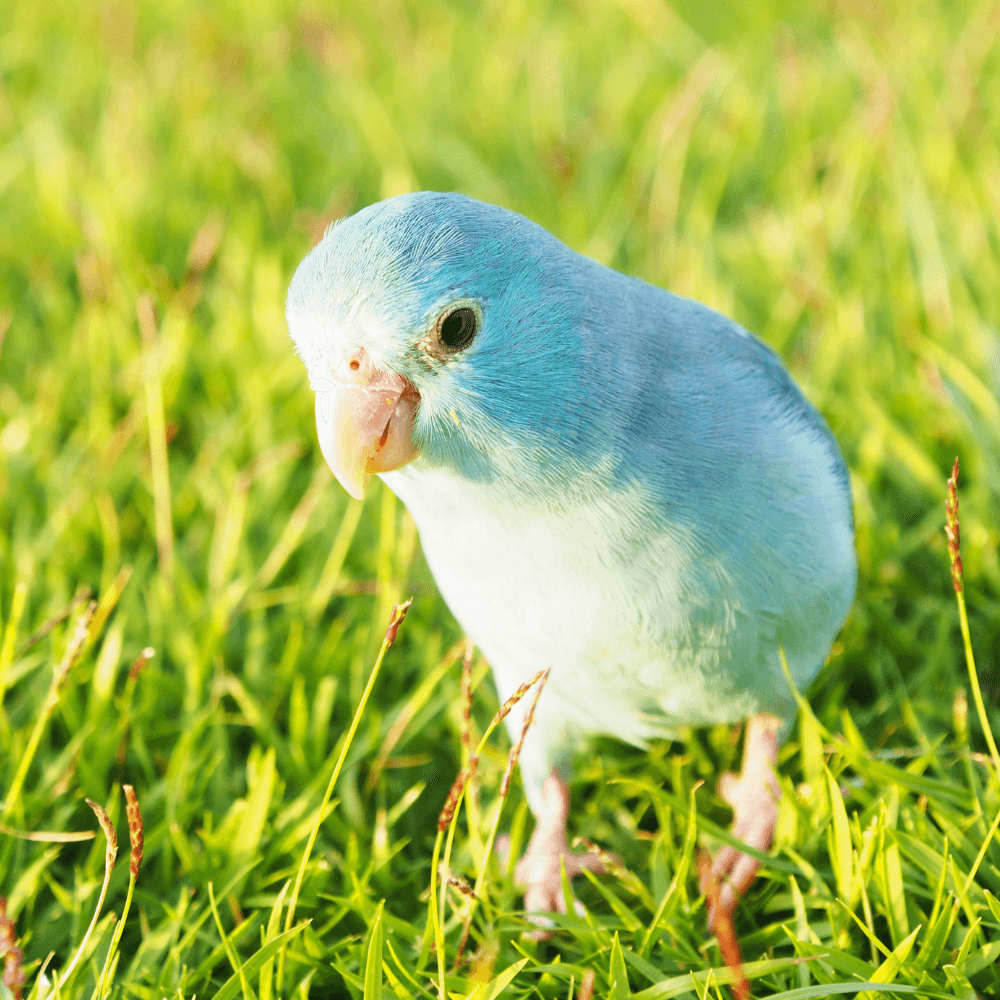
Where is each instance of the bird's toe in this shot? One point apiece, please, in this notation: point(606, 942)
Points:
point(728, 787)
point(753, 796)
point(544, 898)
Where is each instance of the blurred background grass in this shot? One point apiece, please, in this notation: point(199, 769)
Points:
point(826, 173)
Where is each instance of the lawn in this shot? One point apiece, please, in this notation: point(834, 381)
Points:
point(191, 606)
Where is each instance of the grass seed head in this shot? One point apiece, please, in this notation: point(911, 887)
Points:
point(140, 661)
point(952, 529)
point(505, 709)
point(135, 830)
point(395, 620)
point(515, 750)
point(463, 887)
point(455, 792)
point(111, 838)
point(467, 694)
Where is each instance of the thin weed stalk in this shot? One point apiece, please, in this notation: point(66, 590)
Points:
point(57, 619)
point(448, 819)
point(479, 890)
point(395, 620)
point(17, 606)
point(227, 944)
point(136, 837)
point(465, 732)
point(157, 425)
point(110, 855)
point(953, 531)
point(59, 675)
point(409, 712)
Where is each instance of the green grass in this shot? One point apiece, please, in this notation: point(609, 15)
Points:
point(827, 174)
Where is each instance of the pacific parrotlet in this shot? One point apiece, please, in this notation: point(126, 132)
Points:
point(609, 481)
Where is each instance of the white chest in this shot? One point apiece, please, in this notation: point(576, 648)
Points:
point(617, 610)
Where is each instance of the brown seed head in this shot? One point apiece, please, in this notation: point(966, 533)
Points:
point(463, 887)
point(395, 620)
point(74, 646)
point(464, 777)
point(140, 661)
point(505, 709)
point(135, 830)
point(467, 694)
point(515, 750)
point(111, 851)
point(952, 529)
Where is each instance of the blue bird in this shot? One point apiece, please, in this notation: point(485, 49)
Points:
point(608, 480)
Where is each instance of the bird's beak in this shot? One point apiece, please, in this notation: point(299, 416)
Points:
point(365, 421)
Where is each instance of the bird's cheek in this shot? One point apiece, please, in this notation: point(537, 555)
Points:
point(365, 429)
point(397, 448)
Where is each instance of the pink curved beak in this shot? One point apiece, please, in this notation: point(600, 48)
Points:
point(365, 422)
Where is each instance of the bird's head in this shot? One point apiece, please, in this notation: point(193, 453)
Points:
point(437, 329)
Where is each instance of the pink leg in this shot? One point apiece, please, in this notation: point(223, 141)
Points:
point(539, 869)
point(754, 796)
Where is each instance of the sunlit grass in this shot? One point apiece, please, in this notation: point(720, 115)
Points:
point(828, 175)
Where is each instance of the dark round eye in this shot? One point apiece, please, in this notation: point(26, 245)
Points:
point(457, 328)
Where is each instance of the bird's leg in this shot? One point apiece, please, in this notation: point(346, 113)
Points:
point(754, 796)
point(539, 869)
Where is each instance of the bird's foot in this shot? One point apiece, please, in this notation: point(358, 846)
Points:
point(540, 870)
point(754, 795)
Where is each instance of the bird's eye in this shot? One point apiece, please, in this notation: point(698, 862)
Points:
point(457, 328)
